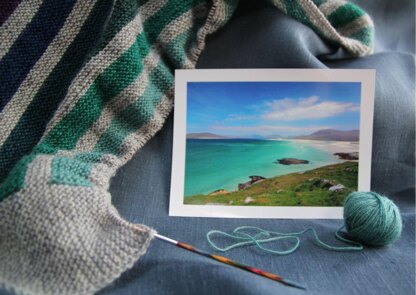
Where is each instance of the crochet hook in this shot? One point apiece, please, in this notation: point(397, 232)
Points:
point(225, 260)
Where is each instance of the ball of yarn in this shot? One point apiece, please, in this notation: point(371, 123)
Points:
point(372, 219)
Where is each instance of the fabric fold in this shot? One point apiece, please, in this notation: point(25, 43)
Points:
point(59, 233)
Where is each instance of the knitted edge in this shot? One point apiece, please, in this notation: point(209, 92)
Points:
point(96, 257)
point(91, 245)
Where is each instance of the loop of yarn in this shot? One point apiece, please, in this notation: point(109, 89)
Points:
point(372, 219)
point(250, 235)
point(369, 219)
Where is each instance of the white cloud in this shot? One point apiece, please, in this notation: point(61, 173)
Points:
point(288, 109)
point(267, 129)
point(237, 117)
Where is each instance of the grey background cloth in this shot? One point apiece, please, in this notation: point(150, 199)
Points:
point(259, 36)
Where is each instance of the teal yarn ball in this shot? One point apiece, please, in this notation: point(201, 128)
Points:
point(372, 219)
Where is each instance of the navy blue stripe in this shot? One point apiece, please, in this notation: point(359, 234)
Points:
point(7, 8)
point(31, 126)
point(30, 46)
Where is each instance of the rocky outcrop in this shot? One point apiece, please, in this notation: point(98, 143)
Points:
point(291, 161)
point(347, 156)
point(218, 192)
point(248, 200)
point(253, 179)
point(321, 182)
point(336, 188)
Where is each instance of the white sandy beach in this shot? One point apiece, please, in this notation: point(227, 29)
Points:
point(329, 146)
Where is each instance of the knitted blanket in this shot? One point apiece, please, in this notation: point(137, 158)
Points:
point(84, 84)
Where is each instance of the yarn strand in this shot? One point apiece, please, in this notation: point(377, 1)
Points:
point(250, 235)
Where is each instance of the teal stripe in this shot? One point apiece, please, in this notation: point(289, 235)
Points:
point(138, 113)
point(365, 36)
point(345, 15)
point(295, 10)
point(70, 171)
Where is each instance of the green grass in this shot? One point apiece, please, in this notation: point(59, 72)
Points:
point(296, 189)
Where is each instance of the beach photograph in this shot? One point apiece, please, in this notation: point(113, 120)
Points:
point(271, 143)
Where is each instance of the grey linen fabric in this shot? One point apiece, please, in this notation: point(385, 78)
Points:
point(259, 36)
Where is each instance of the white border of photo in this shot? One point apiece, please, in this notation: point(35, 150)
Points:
point(182, 77)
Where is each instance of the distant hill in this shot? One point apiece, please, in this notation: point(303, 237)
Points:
point(205, 135)
point(332, 134)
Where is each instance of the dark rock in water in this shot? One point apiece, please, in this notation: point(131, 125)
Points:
point(291, 161)
point(347, 156)
point(253, 179)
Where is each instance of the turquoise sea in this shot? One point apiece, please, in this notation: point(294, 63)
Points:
point(213, 164)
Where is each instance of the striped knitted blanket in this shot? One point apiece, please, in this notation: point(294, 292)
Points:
point(84, 84)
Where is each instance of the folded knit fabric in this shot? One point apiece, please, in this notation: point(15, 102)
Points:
point(83, 85)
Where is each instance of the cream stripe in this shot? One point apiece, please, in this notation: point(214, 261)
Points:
point(135, 90)
point(39, 171)
point(279, 4)
point(118, 104)
point(16, 23)
point(364, 21)
point(117, 46)
point(319, 20)
point(43, 67)
point(179, 25)
point(136, 140)
point(316, 17)
point(330, 6)
point(216, 17)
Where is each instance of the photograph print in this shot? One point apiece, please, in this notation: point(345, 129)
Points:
point(271, 143)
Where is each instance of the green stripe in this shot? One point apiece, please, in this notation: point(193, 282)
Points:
point(138, 113)
point(16, 179)
point(123, 12)
point(176, 48)
point(344, 15)
point(89, 157)
point(172, 10)
point(365, 36)
point(319, 2)
point(110, 83)
point(181, 45)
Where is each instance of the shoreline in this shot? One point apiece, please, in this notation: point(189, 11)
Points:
point(268, 178)
point(324, 186)
point(328, 146)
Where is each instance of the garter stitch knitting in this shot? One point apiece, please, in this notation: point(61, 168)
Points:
point(84, 84)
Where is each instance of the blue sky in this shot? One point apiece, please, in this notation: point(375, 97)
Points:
point(246, 109)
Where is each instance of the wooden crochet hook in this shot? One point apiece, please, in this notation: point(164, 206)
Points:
point(225, 260)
